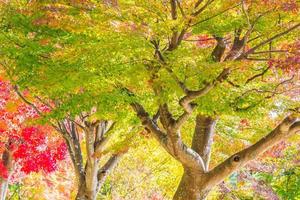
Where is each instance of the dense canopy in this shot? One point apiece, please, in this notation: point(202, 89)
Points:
point(202, 87)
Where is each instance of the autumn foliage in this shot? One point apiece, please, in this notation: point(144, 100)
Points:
point(33, 147)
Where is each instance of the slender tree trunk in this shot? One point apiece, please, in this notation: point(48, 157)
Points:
point(90, 185)
point(3, 188)
point(7, 161)
point(92, 176)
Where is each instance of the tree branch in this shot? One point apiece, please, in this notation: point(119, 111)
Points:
point(173, 9)
point(203, 7)
point(219, 49)
point(109, 165)
point(100, 144)
point(289, 126)
point(270, 51)
point(271, 39)
point(185, 102)
point(258, 75)
point(106, 168)
point(166, 117)
point(68, 135)
point(198, 3)
point(258, 59)
point(149, 124)
point(216, 15)
point(182, 119)
point(177, 80)
point(188, 157)
point(73, 148)
point(16, 88)
point(203, 137)
point(172, 141)
point(180, 8)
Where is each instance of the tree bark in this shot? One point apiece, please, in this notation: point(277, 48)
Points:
point(85, 194)
point(203, 137)
point(3, 188)
point(191, 186)
point(90, 185)
point(7, 161)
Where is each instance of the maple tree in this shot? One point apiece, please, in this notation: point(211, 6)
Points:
point(24, 148)
point(87, 135)
point(185, 69)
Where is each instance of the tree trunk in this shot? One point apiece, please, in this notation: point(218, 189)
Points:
point(3, 188)
point(198, 178)
point(94, 177)
point(84, 194)
point(195, 185)
point(7, 162)
point(191, 187)
point(88, 186)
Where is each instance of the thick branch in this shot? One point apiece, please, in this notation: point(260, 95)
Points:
point(173, 9)
point(106, 168)
point(172, 142)
point(166, 118)
point(198, 3)
point(74, 149)
point(183, 118)
point(174, 37)
point(7, 158)
point(78, 166)
point(149, 124)
point(238, 45)
point(104, 138)
point(112, 161)
point(181, 152)
point(219, 49)
point(203, 137)
point(289, 126)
